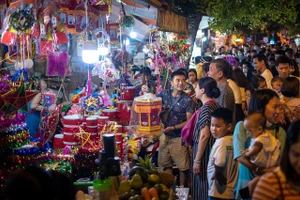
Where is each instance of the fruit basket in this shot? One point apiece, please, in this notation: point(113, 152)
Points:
point(147, 183)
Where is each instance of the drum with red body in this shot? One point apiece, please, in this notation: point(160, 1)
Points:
point(102, 120)
point(128, 93)
point(72, 120)
point(70, 139)
point(118, 137)
point(70, 129)
point(91, 121)
point(124, 111)
point(58, 141)
point(92, 129)
point(110, 113)
point(94, 136)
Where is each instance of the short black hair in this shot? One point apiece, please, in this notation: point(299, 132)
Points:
point(197, 59)
point(184, 71)
point(145, 71)
point(223, 113)
point(280, 52)
point(223, 66)
point(290, 87)
point(177, 73)
point(261, 57)
point(283, 60)
point(256, 80)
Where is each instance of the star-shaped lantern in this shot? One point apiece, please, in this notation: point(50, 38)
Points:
point(17, 98)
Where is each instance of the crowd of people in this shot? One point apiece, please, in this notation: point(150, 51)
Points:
point(246, 133)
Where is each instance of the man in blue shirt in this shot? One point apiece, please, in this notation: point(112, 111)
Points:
point(171, 148)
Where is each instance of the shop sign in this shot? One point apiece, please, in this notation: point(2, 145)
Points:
point(171, 22)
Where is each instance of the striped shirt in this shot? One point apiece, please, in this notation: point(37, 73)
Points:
point(204, 118)
point(268, 187)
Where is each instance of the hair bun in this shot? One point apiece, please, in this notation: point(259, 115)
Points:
point(215, 92)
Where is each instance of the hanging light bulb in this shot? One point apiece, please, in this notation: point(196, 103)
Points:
point(133, 34)
point(127, 41)
point(90, 54)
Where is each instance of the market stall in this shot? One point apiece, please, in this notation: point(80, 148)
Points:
point(68, 101)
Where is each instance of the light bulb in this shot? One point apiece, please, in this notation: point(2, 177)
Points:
point(90, 54)
point(127, 42)
point(133, 34)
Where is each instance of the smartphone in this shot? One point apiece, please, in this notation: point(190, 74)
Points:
point(244, 193)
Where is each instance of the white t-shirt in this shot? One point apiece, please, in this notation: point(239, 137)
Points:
point(269, 155)
point(236, 91)
point(267, 74)
point(222, 155)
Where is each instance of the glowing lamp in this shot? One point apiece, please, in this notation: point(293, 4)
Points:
point(90, 54)
point(103, 51)
point(133, 34)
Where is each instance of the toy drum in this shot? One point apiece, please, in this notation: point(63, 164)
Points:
point(70, 138)
point(128, 93)
point(91, 121)
point(94, 136)
point(119, 128)
point(102, 120)
point(124, 111)
point(72, 120)
point(74, 129)
point(58, 141)
point(119, 137)
point(92, 129)
point(111, 114)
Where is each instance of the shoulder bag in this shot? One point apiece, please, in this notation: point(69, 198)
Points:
point(164, 115)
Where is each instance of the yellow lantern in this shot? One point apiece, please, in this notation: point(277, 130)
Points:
point(148, 110)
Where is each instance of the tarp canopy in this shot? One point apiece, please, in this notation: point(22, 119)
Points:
point(145, 16)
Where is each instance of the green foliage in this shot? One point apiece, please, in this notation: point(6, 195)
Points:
point(246, 15)
point(187, 7)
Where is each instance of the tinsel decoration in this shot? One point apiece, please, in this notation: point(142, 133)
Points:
point(128, 21)
point(64, 167)
point(21, 20)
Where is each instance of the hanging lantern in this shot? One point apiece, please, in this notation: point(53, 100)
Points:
point(148, 108)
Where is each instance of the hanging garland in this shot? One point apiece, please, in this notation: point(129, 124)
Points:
point(128, 21)
point(21, 20)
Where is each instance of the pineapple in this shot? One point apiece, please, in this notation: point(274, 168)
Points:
point(166, 178)
point(147, 165)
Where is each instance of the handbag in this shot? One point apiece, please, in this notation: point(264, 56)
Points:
point(188, 129)
point(164, 115)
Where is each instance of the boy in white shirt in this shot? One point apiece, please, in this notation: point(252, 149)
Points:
point(222, 170)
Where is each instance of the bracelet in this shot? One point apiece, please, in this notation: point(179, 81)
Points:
point(197, 161)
